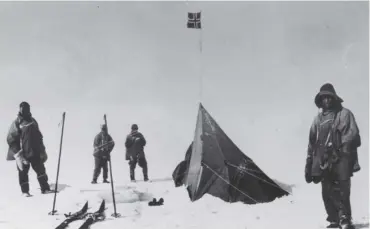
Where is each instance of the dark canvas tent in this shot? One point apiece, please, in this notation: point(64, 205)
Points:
point(215, 165)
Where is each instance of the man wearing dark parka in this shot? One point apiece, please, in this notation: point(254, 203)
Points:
point(332, 155)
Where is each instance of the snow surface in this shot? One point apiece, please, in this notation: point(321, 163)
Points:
point(136, 62)
point(304, 205)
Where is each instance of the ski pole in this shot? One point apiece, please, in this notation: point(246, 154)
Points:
point(115, 214)
point(60, 153)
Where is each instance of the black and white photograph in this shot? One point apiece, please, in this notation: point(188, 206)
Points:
point(184, 114)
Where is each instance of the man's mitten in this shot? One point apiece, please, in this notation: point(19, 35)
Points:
point(19, 159)
point(44, 157)
point(308, 171)
point(324, 162)
point(334, 157)
point(106, 157)
point(137, 140)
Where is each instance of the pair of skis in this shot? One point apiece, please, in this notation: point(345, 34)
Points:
point(91, 218)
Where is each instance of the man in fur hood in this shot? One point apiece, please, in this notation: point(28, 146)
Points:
point(332, 155)
point(103, 146)
point(135, 143)
point(26, 147)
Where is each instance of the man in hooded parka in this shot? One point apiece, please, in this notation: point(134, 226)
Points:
point(103, 146)
point(332, 155)
point(26, 147)
point(135, 143)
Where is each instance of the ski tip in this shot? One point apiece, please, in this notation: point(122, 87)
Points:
point(102, 206)
point(62, 226)
point(85, 206)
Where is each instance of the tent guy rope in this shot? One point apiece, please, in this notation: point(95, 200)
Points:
point(214, 172)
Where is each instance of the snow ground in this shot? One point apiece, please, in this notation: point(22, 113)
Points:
point(304, 205)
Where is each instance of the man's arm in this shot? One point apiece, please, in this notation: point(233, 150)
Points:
point(350, 133)
point(128, 142)
point(111, 143)
point(97, 140)
point(38, 127)
point(312, 138)
point(13, 133)
point(143, 140)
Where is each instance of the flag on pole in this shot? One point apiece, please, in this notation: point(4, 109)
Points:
point(194, 21)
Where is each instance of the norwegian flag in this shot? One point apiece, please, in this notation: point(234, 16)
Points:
point(194, 20)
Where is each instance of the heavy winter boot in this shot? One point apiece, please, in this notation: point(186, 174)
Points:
point(47, 191)
point(333, 225)
point(44, 185)
point(26, 194)
point(146, 177)
point(346, 224)
point(132, 176)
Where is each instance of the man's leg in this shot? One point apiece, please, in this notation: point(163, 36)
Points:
point(105, 170)
point(341, 195)
point(132, 164)
point(42, 177)
point(346, 186)
point(23, 178)
point(144, 165)
point(97, 169)
point(331, 210)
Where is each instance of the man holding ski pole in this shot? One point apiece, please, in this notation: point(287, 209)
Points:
point(103, 146)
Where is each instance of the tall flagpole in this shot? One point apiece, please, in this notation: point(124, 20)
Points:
point(201, 59)
point(195, 22)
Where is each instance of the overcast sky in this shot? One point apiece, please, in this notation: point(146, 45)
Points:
point(262, 65)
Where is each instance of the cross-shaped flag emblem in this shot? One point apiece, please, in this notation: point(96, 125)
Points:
point(194, 20)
